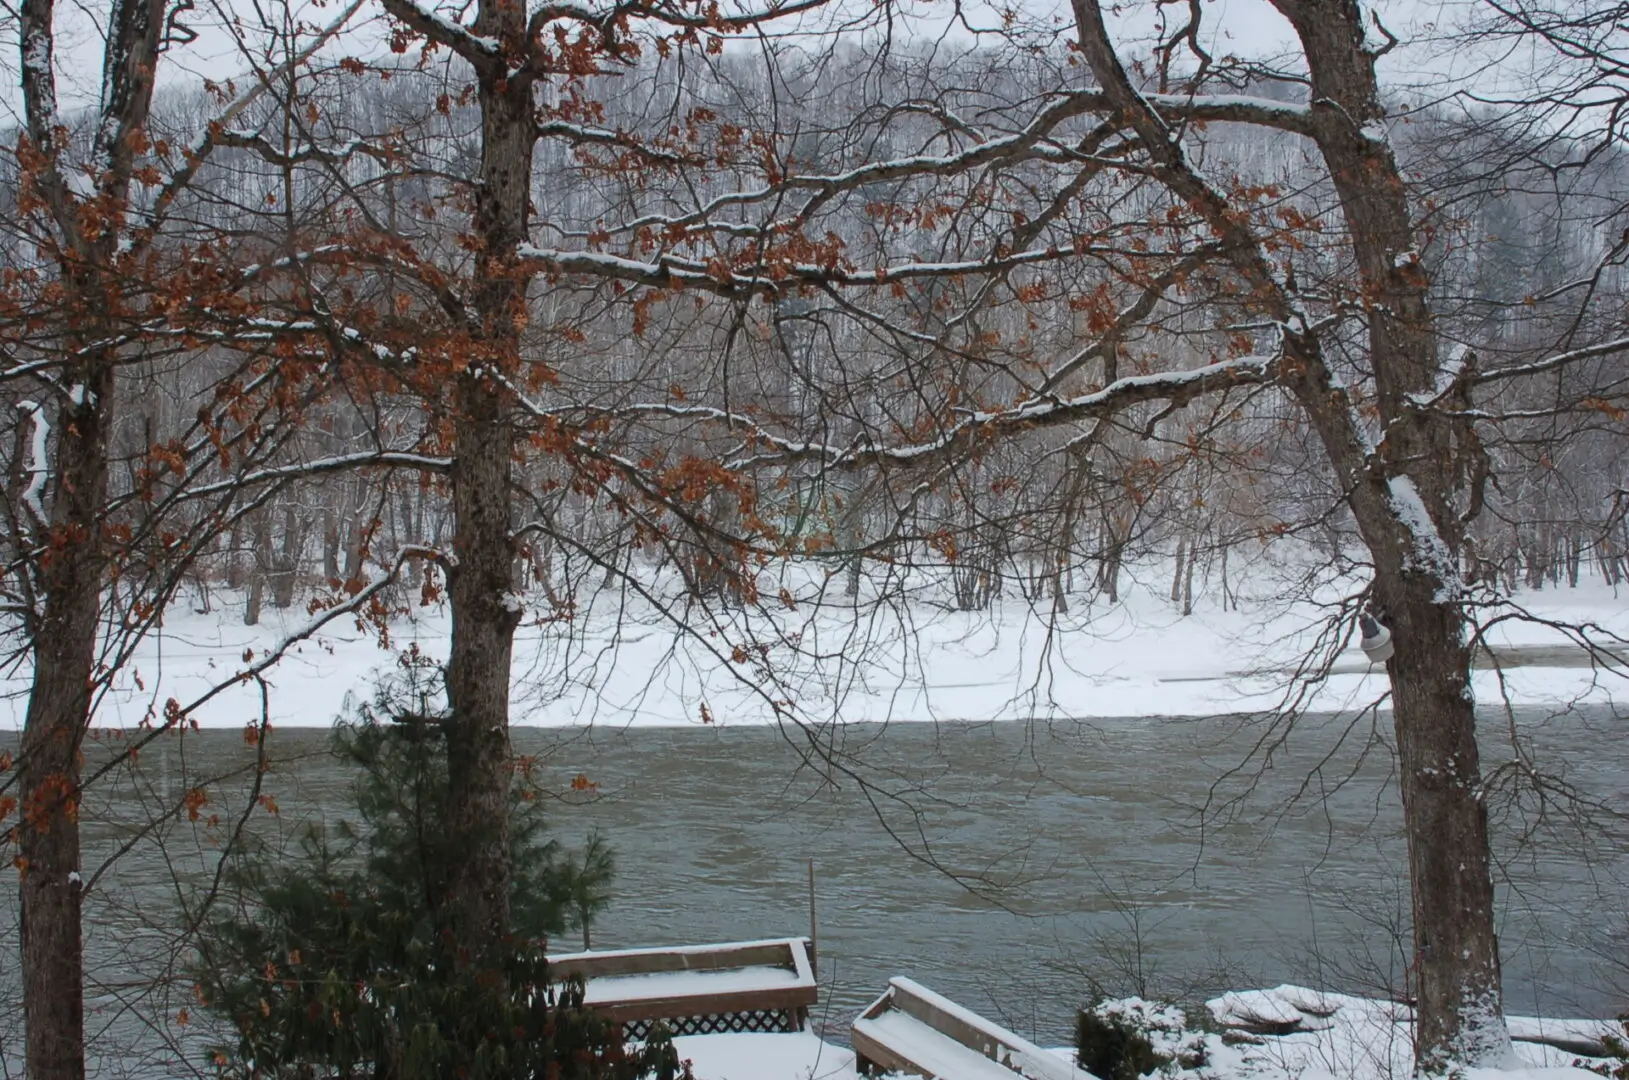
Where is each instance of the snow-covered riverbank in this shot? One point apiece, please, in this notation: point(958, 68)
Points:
point(621, 660)
point(1336, 1037)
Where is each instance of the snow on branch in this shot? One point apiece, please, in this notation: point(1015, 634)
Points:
point(581, 134)
point(1452, 374)
point(401, 459)
point(1557, 360)
point(673, 14)
point(35, 369)
point(448, 32)
point(1234, 108)
point(1428, 552)
point(298, 154)
point(672, 271)
point(1175, 388)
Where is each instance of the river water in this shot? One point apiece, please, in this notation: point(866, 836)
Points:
point(1016, 868)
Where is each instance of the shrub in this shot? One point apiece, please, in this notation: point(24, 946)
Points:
point(1616, 1065)
point(1129, 1038)
point(1113, 1049)
point(335, 962)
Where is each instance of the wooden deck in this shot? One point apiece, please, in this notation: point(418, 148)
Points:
point(700, 989)
point(911, 1029)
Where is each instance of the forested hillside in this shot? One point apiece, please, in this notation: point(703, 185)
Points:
point(330, 485)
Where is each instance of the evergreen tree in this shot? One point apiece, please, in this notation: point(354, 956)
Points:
point(339, 960)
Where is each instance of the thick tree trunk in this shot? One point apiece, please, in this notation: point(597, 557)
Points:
point(1405, 493)
point(71, 572)
point(480, 586)
point(483, 629)
point(1450, 868)
point(1417, 586)
point(58, 713)
point(1409, 511)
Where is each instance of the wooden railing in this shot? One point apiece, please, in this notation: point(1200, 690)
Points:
point(699, 989)
point(911, 1029)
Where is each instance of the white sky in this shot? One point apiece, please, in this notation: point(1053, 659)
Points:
point(1427, 59)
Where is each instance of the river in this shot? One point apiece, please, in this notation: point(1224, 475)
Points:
point(1012, 867)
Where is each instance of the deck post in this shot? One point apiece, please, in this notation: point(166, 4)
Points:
point(814, 934)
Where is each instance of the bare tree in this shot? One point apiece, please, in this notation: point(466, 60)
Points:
point(1350, 339)
point(91, 563)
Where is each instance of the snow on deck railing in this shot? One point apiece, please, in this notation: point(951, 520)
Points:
point(769, 983)
point(723, 949)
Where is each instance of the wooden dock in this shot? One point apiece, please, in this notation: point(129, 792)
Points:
point(699, 989)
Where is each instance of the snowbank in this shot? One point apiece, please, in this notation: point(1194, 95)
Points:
point(758, 1056)
point(1326, 1036)
point(622, 662)
point(1344, 1038)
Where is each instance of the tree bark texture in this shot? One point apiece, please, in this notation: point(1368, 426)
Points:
point(481, 587)
point(1403, 493)
point(53, 728)
point(70, 572)
point(1451, 870)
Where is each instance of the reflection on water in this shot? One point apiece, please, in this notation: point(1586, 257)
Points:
point(1007, 866)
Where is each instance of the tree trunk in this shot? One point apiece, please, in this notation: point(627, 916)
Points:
point(484, 614)
point(70, 577)
point(255, 600)
point(1404, 491)
point(236, 573)
point(483, 628)
point(1415, 537)
point(354, 537)
point(330, 545)
point(1108, 571)
point(262, 556)
point(1187, 585)
point(1456, 951)
point(58, 713)
point(285, 560)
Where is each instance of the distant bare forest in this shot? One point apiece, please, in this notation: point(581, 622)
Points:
point(1524, 257)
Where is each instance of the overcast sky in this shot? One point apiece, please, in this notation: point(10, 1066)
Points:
point(1429, 58)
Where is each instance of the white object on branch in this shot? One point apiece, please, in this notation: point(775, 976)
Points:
point(36, 467)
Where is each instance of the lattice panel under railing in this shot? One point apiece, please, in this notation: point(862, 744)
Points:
point(770, 1020)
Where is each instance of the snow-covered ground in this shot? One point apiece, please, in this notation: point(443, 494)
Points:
point(1352, 1038)
point(1337, 1038)
point(621, 660)
point(760, 1056)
